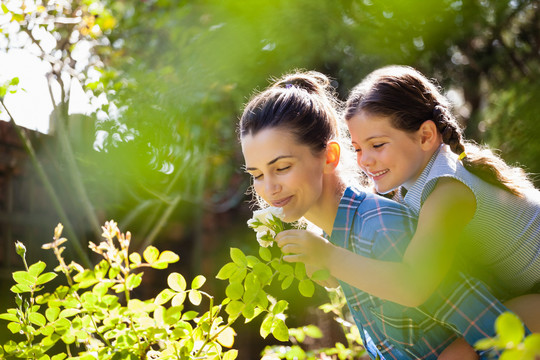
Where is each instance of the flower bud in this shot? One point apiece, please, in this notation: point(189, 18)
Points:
point(20, 249)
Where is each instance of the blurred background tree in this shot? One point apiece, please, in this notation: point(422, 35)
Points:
point(167, 81)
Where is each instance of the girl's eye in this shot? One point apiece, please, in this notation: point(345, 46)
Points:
point(357, 150)
point(376, 146)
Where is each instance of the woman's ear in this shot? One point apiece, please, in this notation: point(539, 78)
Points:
point(429, 136)
point(333, 152)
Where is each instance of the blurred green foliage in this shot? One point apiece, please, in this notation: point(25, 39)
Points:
point(167, 80)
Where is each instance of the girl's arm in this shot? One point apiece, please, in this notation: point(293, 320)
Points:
point(426, 261)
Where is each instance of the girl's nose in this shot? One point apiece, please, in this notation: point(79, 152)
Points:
point(364, 159)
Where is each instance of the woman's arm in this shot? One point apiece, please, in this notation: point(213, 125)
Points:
point(426, 261)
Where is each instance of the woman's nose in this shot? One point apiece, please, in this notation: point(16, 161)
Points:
point(272, 186)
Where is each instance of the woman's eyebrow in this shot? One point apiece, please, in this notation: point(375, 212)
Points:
point(270, 162)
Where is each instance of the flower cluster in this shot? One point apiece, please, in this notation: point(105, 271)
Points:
point(266, 223)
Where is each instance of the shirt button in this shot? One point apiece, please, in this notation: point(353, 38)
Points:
point(379, 347)
point(356, 308)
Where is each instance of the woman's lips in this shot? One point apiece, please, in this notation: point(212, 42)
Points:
point(281, 202)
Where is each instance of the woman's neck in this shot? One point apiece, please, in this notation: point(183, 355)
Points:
point(323, 214)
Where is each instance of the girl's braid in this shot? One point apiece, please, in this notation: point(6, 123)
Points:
point(449, 128)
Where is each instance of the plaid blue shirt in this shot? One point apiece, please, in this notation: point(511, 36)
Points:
point(376, 227)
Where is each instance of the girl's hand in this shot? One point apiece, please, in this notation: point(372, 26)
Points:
point(304, 246)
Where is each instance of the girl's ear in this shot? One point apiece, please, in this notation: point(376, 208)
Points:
point(429, 136)
point(333, 152)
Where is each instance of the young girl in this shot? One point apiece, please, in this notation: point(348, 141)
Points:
point(471, 206)
point(290, 141)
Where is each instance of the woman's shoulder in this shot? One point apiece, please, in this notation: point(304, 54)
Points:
point(373, 206)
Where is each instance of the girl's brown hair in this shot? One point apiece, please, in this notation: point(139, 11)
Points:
point(409, 98)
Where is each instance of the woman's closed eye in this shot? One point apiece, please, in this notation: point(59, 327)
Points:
point(284, 168)
point(378, 145)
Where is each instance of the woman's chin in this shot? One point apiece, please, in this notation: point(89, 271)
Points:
point(290, 218)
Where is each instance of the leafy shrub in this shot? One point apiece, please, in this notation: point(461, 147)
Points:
point(94, 315)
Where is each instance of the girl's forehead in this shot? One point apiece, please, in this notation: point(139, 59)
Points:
point(364, 125)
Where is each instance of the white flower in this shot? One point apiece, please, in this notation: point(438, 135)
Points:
point(267, 214)
point(263, 238)
point(266, 223)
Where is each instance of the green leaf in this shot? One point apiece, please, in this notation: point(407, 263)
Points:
point(249, 312)
point(189, 315)
point(9, 317)
point(509, 329)
point(252, 286)
point(114, 271)
point(198, 282)
point(45, 278)
point(164, 296)
point(238, 257)
point(37, 319)
point(24, 278)
point(266, 326)
point(300, 270)
point(285, 269)
point(280, 307)
point(263, 273)
point(195, 297)
point(52, 313)
point(176, 282)
point(86, 279)
point(287, 282)
point(20, 288)
point(512, 354)
point(14, 327)
point(306, 287)
point(265, 253)
point(239, 275)
point(321, 274)
point(178, 299)
point(68, 313)
point(135, 258)
point(227, 271)
point(37, 268)
point(532, 343)
point(14, 81)
point(133, 281)
point(136, 305)
point(234, 291)
point(280, 330)
point(172, 315)
point(230, 355)
point(168, 257)
point(313, 331)
point(150, 254)
point(234, 308)
point(160, 265)
point(69, 337)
